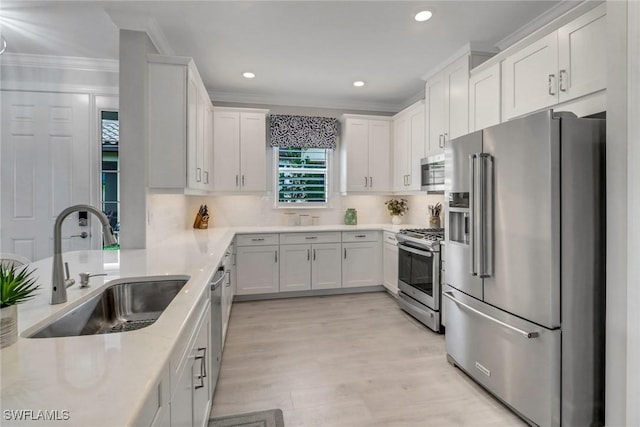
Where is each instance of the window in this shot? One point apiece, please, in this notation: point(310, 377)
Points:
point(110, 133)
point(302, 177)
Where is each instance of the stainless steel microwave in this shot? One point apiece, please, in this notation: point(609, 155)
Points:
point(432, 174)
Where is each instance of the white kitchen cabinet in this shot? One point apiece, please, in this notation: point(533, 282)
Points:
point(306, 266)
point(563, 65)
point(179, 138)
point(295, 268)
point(390, 263)
point(484, 98)
point(258, 269)
point(326, 266)
point(228, 288)
point(239, 150)
point(365, 154)
point(191, 391)
point(447, 102)
point(361, 259)
point(409, 147)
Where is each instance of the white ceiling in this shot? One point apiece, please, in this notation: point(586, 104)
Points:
point(305, 53)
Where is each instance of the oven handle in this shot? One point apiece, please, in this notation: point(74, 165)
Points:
point(525, 334)
point(426, 253)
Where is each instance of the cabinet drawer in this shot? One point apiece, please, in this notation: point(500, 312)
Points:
point(389, 237)
point(361, 236)
point(300, 238)
point(257, 239)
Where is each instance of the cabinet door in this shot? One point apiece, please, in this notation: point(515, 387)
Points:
point(361, 264)
point(194, 135)
point(257, 269)
point(390, 267)
point(207, 162)
point(295, 267)
point(456, 100)
point(583, 55)
point(253, 152)
point(531, 77)
point(201, 369)
point(379, 155)
point(326, 270)
point(434, 114)
point(416, 148)
point(182, 397)
point(357, 152)
point(400, 152)
point(484, 98)
point(226, 151)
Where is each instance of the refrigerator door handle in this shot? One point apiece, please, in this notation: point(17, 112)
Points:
point(472, 214)
point(485, 256)
point(526, 334)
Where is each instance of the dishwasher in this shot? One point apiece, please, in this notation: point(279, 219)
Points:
point(216, 324)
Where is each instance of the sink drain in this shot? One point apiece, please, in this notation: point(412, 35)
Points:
point(130, 325)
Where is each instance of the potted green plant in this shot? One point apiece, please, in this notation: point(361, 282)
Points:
point(396, 209)
point(17, 285)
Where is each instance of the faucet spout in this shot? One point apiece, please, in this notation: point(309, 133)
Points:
point(58, 284)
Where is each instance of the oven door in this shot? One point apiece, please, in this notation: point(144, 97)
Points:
point(419, 275)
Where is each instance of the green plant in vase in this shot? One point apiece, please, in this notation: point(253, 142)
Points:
point(17, 285)
point(396, 209)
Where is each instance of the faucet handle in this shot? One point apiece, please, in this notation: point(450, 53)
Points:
point(84, 278)
point(68, 281)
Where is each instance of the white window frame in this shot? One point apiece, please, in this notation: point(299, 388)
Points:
point(308, 205)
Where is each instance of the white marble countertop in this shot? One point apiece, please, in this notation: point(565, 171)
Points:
point(102, 380)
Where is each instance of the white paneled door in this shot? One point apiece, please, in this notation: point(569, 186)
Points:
point(45, 161)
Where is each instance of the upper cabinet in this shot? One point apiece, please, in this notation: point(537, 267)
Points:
point(180, 126)
point(562, 66)
point(484, 98)
point(408, 147)
point(239, 150)
point(365, 154)
point(447, 102)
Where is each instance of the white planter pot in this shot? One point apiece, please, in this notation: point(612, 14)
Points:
point(396, 219)
point(8, 325)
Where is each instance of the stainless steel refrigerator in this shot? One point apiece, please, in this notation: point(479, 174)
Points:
point(525, 279)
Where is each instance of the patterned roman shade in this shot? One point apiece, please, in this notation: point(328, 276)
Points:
point(303, 132)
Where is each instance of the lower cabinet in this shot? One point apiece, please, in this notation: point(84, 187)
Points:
point(390, 263)
point(228, 288)
point(191, 390)
point(305, 267)
point(258, 269)
point(361, 264)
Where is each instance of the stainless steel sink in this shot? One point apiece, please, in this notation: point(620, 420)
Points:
point(119, 308)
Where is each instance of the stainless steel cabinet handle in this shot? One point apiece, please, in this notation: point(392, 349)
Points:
point(345, 253)
point(237, 180)
point(525, 334)
point(408, 180)
point(552, 84)
point(276, 255)
point(243, 180)
point(308, 254)
point(366, 181)
point(441, 141)
point(228, 279)
point(257, 239)
point(370, 182)
point(198, 174)
point(206, 177)
point(314, 254)
point(563, 83)
point(311, 237)
point(360, 235)
point(203, 367)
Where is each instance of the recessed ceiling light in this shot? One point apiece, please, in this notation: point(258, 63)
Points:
point(248, 75)
point(359, 83)
point(423, 16)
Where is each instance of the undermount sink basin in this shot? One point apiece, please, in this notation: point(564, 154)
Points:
point(119, 308)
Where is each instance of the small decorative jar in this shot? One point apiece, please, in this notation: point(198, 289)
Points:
point(434, 222)
point(396, 219)
point(351, 217)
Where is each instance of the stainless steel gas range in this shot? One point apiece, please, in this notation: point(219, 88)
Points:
point(419, 274)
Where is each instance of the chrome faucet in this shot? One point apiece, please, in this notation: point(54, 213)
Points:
point(58, 283)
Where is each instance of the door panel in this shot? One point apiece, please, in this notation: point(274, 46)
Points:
point(434, 114)
point(257, 269)
point(526, 226)
point(45, 157)
point(326, 272)
point(416, 150)
point(226, 151)
point(253, 134)
point(379, 155)
point(295, 268)
point(357, 153)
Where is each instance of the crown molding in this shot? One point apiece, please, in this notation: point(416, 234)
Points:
point(305, 101)
point(546, 18)
point(138, 22)
point(467, 49)
point(60, 62)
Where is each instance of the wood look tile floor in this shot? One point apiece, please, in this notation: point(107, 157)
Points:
point(346, 360)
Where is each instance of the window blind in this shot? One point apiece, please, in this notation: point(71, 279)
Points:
point(302, 175)
point(303, 131)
